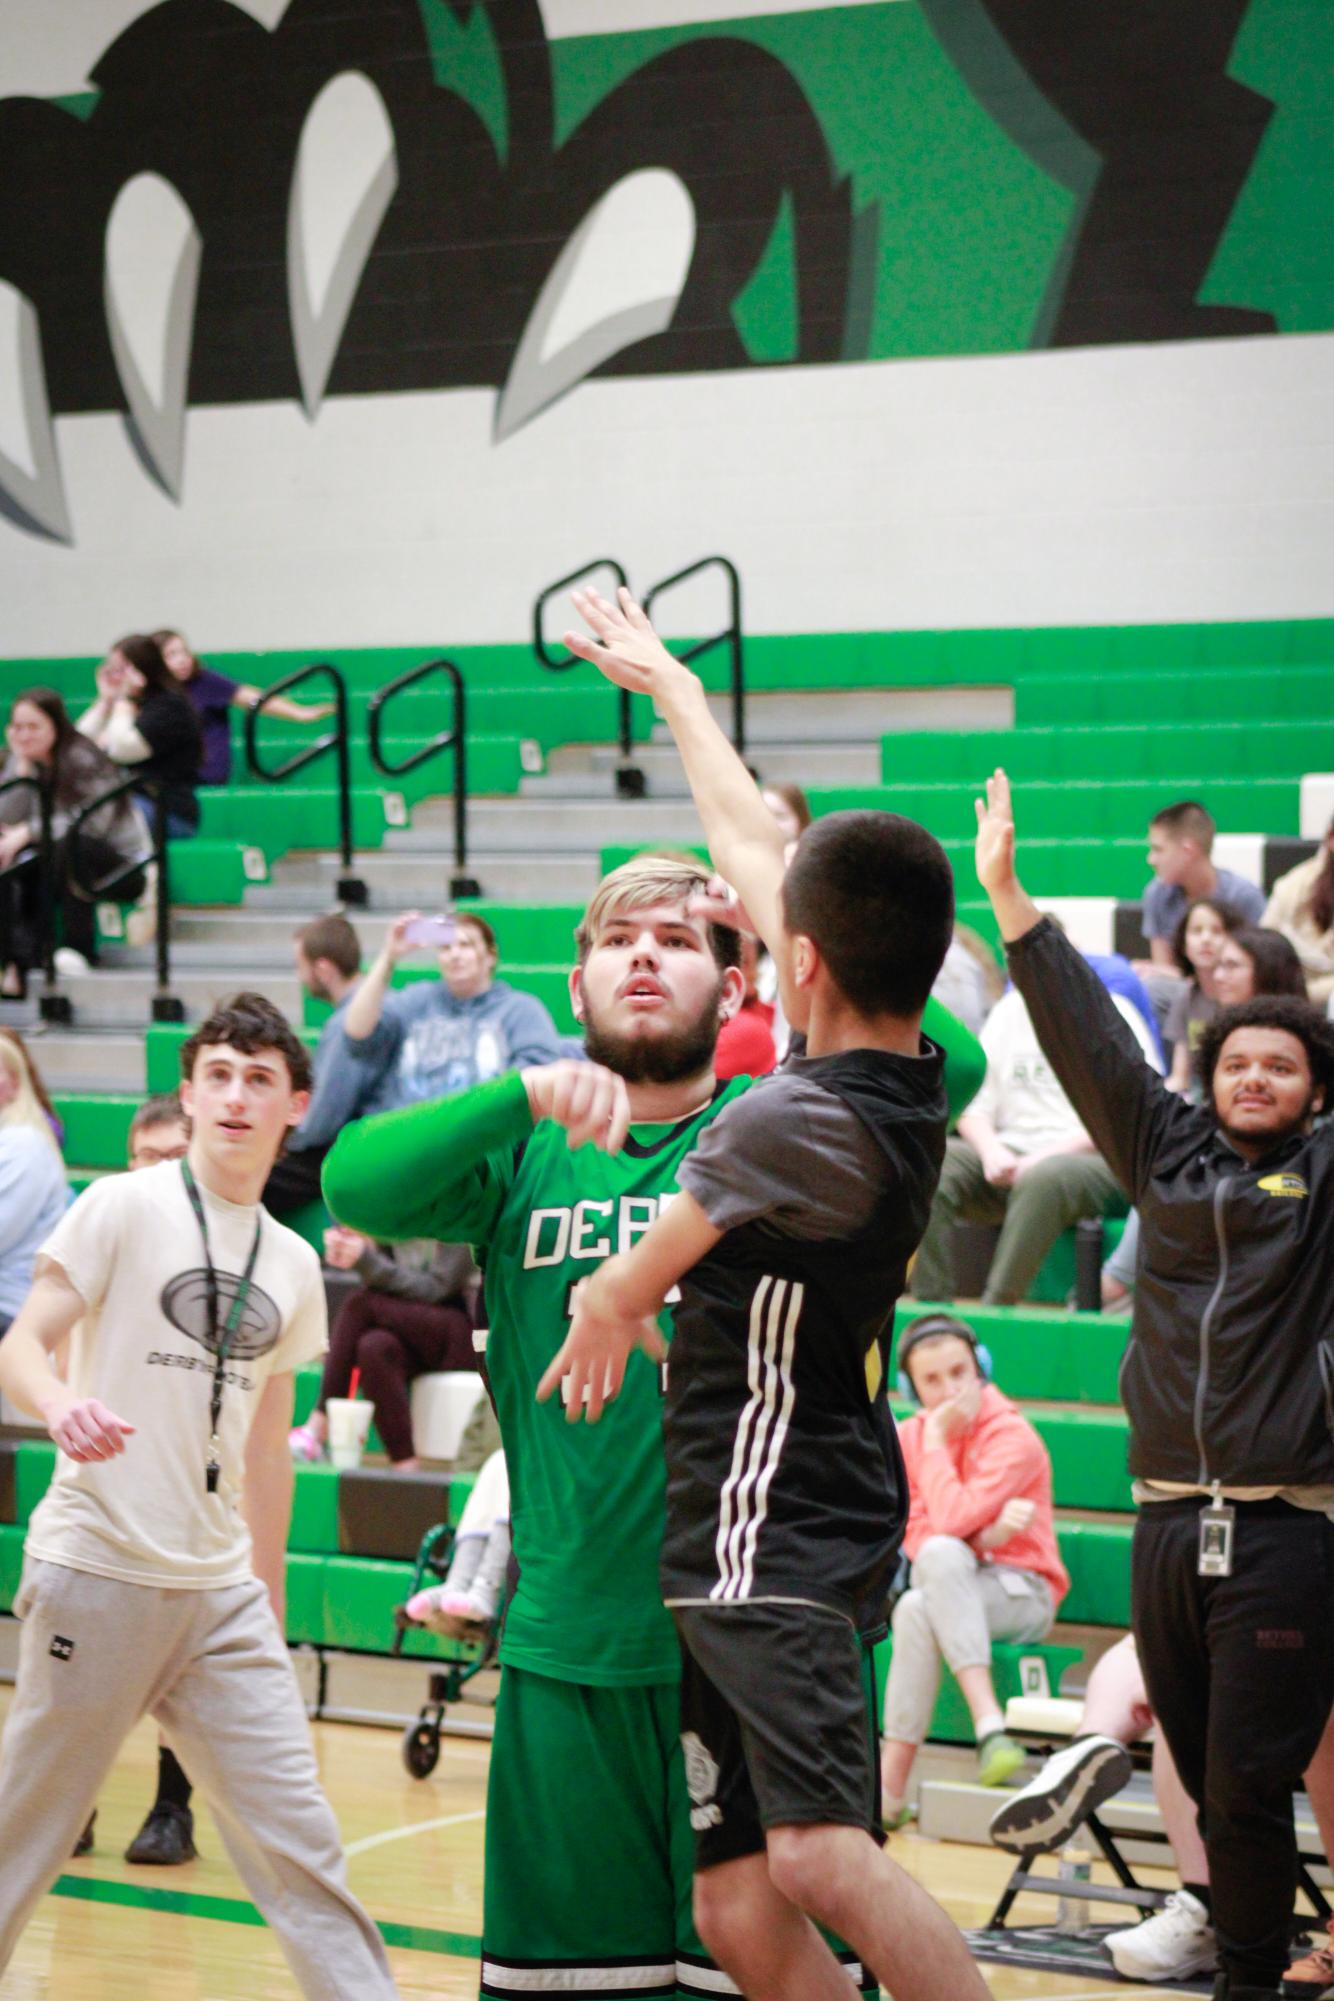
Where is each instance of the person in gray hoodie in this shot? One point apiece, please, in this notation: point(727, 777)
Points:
point(438, 1036)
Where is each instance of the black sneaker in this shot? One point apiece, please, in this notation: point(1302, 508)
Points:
point(84, 1844)
point(166, 1837)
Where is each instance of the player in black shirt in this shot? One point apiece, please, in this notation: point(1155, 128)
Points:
point(786, 1498)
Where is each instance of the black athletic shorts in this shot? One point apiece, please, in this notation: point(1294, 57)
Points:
point(777, 1725)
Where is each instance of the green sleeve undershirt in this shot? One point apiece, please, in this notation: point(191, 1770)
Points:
point(430, 1170)
point(440, 1169)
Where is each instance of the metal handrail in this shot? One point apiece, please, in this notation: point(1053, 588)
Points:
point(455, 738)
point(730, 636)
point(558, 663)
point(166, 1006)
point(351, 889)
point(51, 1008)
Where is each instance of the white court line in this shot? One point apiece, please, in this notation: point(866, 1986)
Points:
point(369, 1841)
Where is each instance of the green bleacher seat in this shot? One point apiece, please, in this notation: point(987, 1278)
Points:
point(1121, 807)
point(1097, 1556)
point(1104, 753)
point(305, 1600)
point(1088, 1458)
point(314, 1529)
point(1278, 693)
point(360, 1594)
point(11, 1562)
point(34, 1465)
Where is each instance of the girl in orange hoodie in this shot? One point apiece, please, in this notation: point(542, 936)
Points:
point(982, 1545)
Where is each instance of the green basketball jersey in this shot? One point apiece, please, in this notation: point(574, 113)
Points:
point(587, 1501)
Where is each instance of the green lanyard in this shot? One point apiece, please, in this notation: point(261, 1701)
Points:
point(221, 1341)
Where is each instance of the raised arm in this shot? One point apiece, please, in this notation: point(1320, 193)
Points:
point(1124, 1104)
point(431, 1170)
point(744, 841)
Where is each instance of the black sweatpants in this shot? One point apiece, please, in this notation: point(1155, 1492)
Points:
point(1240, 1673)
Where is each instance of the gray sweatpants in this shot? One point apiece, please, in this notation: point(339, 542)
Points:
point(94, 1657)
point(954, 1608)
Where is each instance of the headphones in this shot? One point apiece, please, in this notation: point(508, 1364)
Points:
point(931, 1327)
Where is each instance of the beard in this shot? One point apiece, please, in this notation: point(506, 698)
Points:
point(655, 1059)
point(1246, 1136)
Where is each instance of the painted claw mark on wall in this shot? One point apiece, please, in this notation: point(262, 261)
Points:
point(597, 299)
point(32, 492)
point(150, 283)
point(345, 177)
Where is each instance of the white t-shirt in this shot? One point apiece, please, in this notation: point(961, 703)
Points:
point(131, 1247)
point(1020, 1093)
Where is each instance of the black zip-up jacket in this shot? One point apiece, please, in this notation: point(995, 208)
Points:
point(1229, 1373)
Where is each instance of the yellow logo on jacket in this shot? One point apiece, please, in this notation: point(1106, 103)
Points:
point(1284, 1184)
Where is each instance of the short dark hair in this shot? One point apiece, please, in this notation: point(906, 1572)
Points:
point(1274, 961)
point(250, 1022)
point(926, 1330)
point(164, 1108)
point(478, 923)
point(875, 893)
point(1227, 914)
point(334, 939)
point(1283, 1011)
point(1189, 821)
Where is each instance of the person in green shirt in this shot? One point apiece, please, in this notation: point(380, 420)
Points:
point(589, 1844)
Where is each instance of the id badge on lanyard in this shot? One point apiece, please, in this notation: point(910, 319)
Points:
point(1218, 1528)
point(221, 1335)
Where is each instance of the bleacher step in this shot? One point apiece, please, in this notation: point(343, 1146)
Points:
point(113, 996)
point(850, 715)
point(83, 1060)
point(397, 881)
point(584, 770)
point(550, 826)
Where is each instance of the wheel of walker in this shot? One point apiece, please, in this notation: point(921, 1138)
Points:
point(421, 1748)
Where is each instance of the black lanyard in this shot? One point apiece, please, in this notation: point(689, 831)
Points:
point(221, 1339)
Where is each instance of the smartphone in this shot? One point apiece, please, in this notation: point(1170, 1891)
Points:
point(433, 931)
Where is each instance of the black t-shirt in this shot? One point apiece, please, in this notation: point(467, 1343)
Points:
point(784, 1478)
point(170, 728)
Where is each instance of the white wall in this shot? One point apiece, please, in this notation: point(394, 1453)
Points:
point(1096, 485)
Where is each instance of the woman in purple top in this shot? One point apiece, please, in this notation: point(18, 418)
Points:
point(211, 694)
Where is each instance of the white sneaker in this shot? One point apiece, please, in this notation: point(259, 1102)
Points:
point(1175, 1944)
point(68, 961)
point(1072, 1784)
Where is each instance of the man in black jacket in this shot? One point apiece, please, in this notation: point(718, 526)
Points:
point(1228, 1383)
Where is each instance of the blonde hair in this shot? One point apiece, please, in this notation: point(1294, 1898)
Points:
point(29, 1104)
point(661, 876)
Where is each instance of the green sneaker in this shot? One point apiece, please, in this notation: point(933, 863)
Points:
point(999, 1758)
point(893, 1822)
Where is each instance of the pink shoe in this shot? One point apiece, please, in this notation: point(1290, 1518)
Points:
point(304, 1446)
point(449, 1613)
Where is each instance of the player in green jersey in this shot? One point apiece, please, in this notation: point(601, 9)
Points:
point(588, 1839)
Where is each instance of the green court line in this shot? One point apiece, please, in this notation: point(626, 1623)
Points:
point(236, 1911)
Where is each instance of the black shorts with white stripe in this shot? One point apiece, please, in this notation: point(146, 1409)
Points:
point(775, 1724)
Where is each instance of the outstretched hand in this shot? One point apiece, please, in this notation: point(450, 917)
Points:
point(995, 835)
point(590, 1363)
point(624, 645)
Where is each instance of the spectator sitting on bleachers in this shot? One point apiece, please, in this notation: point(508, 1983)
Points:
point(1177, 1942)
point(470, 1595)
point(143, 721)
point(410, 1317)
point(34, 1193)
point(1250, 961)
point(211, 694)
point(969, 983)
point(439, 1036)
point(328, 965)
point(1301, 906)
point(1198, 939)
point(1020, 1158)
point(44, 744)
point(982, 1545)
point(1181, 841)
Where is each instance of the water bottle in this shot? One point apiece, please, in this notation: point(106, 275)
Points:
point(1075, 1868)
point(1088, 1264)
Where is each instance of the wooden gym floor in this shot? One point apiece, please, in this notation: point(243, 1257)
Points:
point(115, 1933)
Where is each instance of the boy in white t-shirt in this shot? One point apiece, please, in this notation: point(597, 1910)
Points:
point(153, 1570)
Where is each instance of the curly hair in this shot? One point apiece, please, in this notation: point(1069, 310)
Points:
point(250, 1022)
point(1295, 1017)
